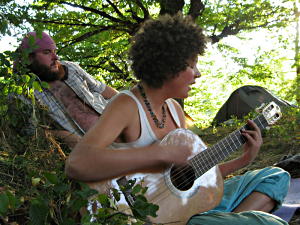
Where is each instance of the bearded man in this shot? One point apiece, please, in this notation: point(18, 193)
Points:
point(74, 99)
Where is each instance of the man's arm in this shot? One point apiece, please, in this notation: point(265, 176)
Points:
point(67, 137)
point(95, 85)
point(109, 92)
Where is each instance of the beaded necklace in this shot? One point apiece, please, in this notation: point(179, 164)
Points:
point(158, 124)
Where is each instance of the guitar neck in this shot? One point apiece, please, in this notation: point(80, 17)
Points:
point(207, 159)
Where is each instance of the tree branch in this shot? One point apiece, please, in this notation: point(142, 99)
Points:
point(142, 7)
point(116, 9)
point(196, 9)
point(127, 25)
point(116, 68)
point(235, 28)
point(85, 36)
point(138, 19)
point(170, 7)
point(64, 23)
point(101, 13)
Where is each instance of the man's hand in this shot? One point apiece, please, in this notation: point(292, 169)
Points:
point(70, 139)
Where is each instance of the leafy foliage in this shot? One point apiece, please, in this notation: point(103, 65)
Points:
point(105, 27)
point(34, 189)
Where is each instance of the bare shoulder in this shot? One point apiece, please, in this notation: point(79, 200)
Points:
point(122, 102)
point(116, 117)
point(109, 92)
point(180, 112)
point(121, 108)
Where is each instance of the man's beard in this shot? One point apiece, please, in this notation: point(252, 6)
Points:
point(44, 72)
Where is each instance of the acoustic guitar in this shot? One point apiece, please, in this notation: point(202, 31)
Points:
point(181, 192)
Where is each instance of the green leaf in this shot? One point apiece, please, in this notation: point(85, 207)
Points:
point(116, 194)
point(35, 181)
point(102, 213)
point(152, 209)
point(86, 191)
point(38, 212)
point(4, 60)
point(31, 42)
point(103, 199)
point(142, 208)
point(14, 202)
point(68, 221)
point(52, 178)
point(138, 223)
point(61, 188)
point(76, 204)
point(136, 189)
point(44, 84)
point(26, 78)
point(86, 219)
point(144, 190)
point(37, 86)
point(4, 201)
point(18, 90)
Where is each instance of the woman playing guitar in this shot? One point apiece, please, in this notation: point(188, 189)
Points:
point(164, 55)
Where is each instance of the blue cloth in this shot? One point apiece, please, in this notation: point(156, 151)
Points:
point(272, 181)
point(242, 218)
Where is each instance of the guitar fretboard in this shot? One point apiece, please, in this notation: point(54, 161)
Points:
point(207, 159)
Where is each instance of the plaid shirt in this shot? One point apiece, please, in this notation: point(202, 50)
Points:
point(86, 88)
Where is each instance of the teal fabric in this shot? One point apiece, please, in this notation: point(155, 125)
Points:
point(272, 181)
point(243, 218)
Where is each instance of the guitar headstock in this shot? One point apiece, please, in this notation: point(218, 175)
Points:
point(271, 112)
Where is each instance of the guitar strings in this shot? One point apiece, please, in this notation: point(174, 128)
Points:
point(214, 152)
point(211, 152)
point(209, 157)
point(183, 169)
point(164, 194)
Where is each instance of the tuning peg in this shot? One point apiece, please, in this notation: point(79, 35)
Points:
point(260, 108)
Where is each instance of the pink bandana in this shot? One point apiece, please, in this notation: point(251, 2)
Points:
point(41, 41)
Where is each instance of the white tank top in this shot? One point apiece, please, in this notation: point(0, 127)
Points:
point(147, 136)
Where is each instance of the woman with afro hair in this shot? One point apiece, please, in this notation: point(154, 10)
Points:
point(163, 54)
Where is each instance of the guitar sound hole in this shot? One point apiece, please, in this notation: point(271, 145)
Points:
point(182, 177)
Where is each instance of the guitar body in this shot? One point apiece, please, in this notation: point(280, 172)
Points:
point(181, 196)
point(176, 206)
point(177, 202)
